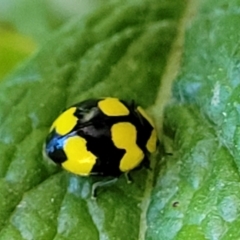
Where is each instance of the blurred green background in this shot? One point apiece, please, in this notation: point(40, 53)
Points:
point(26, 24)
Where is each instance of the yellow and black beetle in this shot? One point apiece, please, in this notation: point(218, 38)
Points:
point(105, 136)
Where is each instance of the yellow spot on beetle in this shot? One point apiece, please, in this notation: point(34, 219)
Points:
point(124, 136)
point(113, 107)
point(79, 160)
point(152, 142)
point(65, 122)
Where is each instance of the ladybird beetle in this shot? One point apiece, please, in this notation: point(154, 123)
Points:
point(105, 136)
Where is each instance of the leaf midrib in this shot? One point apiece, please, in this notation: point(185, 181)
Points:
point(172, 69)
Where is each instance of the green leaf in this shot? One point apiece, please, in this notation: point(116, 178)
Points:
point(131, 50)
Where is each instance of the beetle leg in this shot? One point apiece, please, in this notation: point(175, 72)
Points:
point(128, 177)
point(96, 185)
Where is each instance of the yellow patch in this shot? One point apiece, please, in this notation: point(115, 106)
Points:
point(113, 107)
point(152, 142)
point(144, 114)
point(79, 160)
point(124, 136)
point(65, 122)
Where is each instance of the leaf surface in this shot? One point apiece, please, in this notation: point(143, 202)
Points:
point(130, 50)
